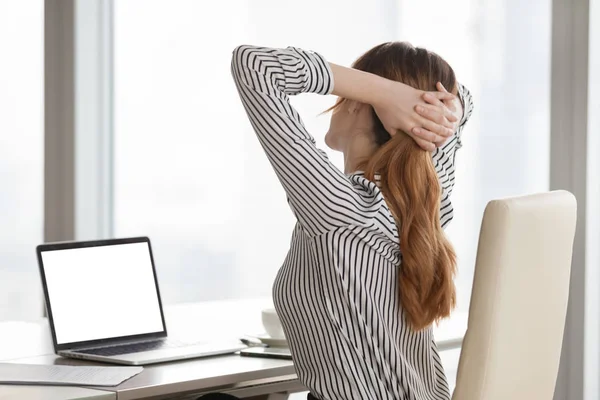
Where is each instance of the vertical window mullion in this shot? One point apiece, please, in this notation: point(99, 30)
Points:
point(93, 119)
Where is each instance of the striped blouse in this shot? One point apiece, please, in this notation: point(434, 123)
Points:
point(336, 293)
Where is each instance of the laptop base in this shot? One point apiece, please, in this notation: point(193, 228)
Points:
point(160, 356)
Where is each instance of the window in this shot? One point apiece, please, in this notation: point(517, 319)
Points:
point(21, 157)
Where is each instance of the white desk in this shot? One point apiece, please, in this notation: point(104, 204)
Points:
point(242, 376)
point(53, 393)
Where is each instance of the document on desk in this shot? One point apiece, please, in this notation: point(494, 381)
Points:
point(31, 374)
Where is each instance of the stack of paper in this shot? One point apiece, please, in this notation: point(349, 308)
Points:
point(32, 374)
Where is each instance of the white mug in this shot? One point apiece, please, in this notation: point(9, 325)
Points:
point(272, 324)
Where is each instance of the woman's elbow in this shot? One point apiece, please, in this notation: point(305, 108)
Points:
point(240, 56)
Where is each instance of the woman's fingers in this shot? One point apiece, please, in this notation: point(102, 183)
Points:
point(430, 112)
point(440, 87)
point(427, 136)
point(441, 115)
point(441, 100)
point(444, 130)
point(424, 144)
point(431, 98)
point(434, 97)
point(447, 102)
point(451, 117)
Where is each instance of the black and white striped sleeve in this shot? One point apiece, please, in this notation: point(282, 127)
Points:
point(320, 195)
point(467, 103)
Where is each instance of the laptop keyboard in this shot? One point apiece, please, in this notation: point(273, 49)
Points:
point(135, 347)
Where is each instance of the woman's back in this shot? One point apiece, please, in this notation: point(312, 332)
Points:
point(337, 296)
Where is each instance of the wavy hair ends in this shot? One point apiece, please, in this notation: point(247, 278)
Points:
point(410, 186)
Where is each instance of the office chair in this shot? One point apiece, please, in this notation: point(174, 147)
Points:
point(512, 347)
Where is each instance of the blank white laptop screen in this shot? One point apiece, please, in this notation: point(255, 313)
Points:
point(102, 292)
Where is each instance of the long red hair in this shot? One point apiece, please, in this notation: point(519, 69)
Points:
point(410, 186)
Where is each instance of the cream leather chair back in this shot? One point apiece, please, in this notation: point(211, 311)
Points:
point(512, 347)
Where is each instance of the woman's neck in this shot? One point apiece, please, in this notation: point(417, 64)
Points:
point(357, 152)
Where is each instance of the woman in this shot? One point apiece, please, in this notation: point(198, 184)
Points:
point(369, 269)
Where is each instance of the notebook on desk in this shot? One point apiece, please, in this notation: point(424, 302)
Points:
point(64, 375)
point(103, 304)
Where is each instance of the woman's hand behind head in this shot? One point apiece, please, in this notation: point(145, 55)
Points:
point(406, 109)
point(442, 103)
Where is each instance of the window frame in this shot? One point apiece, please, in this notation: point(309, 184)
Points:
point(569, 154)
point(78, 174)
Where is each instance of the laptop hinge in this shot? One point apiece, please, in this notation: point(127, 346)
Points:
point(116, 342)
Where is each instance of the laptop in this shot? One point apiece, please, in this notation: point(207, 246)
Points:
point(103, 304)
